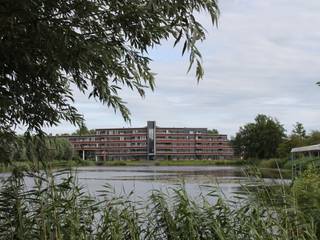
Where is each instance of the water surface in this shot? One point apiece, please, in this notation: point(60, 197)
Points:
point(143, 179)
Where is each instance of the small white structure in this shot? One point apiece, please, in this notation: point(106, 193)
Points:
point(307, 151)
point(312, 150)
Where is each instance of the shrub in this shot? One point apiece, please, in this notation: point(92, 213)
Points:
point(306, 189)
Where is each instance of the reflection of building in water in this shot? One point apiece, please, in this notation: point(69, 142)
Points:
point(152, 142)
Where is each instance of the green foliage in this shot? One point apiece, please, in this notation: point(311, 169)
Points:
point(303, 163)
point(299, 130)
point(7, 143)
point(298, 138)
point(259, 139)
point(271, 163)
point(83, 130)
point(313, 138)
point(285, 147)
point(49, 48)
point(76, 161)
point(48, 211)
point(171, 163)
point(35, 148)
point(19, 152)
point(61, 210)
point(62, 149)
point(213, 131)
point(306, 189)
point(200, 162)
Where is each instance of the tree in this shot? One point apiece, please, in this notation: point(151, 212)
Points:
point(7, 146)
point(287, 144)
point(296, 139)
point(83, 130)
point(47, 48)
point(213, 131)
point(313, 138)
point(298, 129)
point(19, 152)
point(62, 149)
point(259, 139)
point(35, 148)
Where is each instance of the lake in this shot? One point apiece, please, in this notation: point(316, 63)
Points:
point(143, 179)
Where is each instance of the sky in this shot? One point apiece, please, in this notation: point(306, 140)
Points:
point(263, 58)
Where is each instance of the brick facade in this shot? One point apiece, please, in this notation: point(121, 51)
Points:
point(152, 142)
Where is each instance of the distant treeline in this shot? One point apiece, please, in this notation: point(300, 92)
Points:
point(295, 140)
point(266, 138)
point(33, 148)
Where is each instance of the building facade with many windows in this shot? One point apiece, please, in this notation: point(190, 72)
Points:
point(152, 142)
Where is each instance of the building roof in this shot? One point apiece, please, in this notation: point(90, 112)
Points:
point(306, 148)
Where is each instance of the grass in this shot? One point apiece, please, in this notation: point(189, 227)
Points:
point(199, 162)
point(80, 163)
point(303, 163)
point(62, 210)
point(170, 162)
point(285, 163)
point(264, 163)
point(274, 163)
point(28, 165)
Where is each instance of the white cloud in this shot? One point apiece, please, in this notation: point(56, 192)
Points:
point(263, 58)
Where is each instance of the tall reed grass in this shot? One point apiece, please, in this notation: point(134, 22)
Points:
point(58, 208)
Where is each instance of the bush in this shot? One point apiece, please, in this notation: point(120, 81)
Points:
point(271, 163)
point(303, 163)
point(306, 189)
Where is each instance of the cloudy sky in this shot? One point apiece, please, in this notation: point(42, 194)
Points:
point(263, 58)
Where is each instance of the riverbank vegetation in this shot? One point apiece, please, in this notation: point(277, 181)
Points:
point(264, 143)
point(266, 138)
point(35, 148)
point(56, 164)
point(27, 156)
point(63, 210)
point(57, 152)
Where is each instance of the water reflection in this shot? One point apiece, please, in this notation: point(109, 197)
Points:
point(142, 180)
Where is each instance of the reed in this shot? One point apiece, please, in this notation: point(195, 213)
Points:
point(56, 207)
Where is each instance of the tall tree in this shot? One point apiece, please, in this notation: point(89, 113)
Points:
point(298, 129)
point(213, 131)
point(49, 47)
point(313, 138)
point(259, 139)
point(296, 139)
point(290, 142)
point(83, 130)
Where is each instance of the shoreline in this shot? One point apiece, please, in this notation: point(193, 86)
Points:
point(56, 164)
point(83, 163)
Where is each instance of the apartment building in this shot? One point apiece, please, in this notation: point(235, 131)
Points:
point(152, 142)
